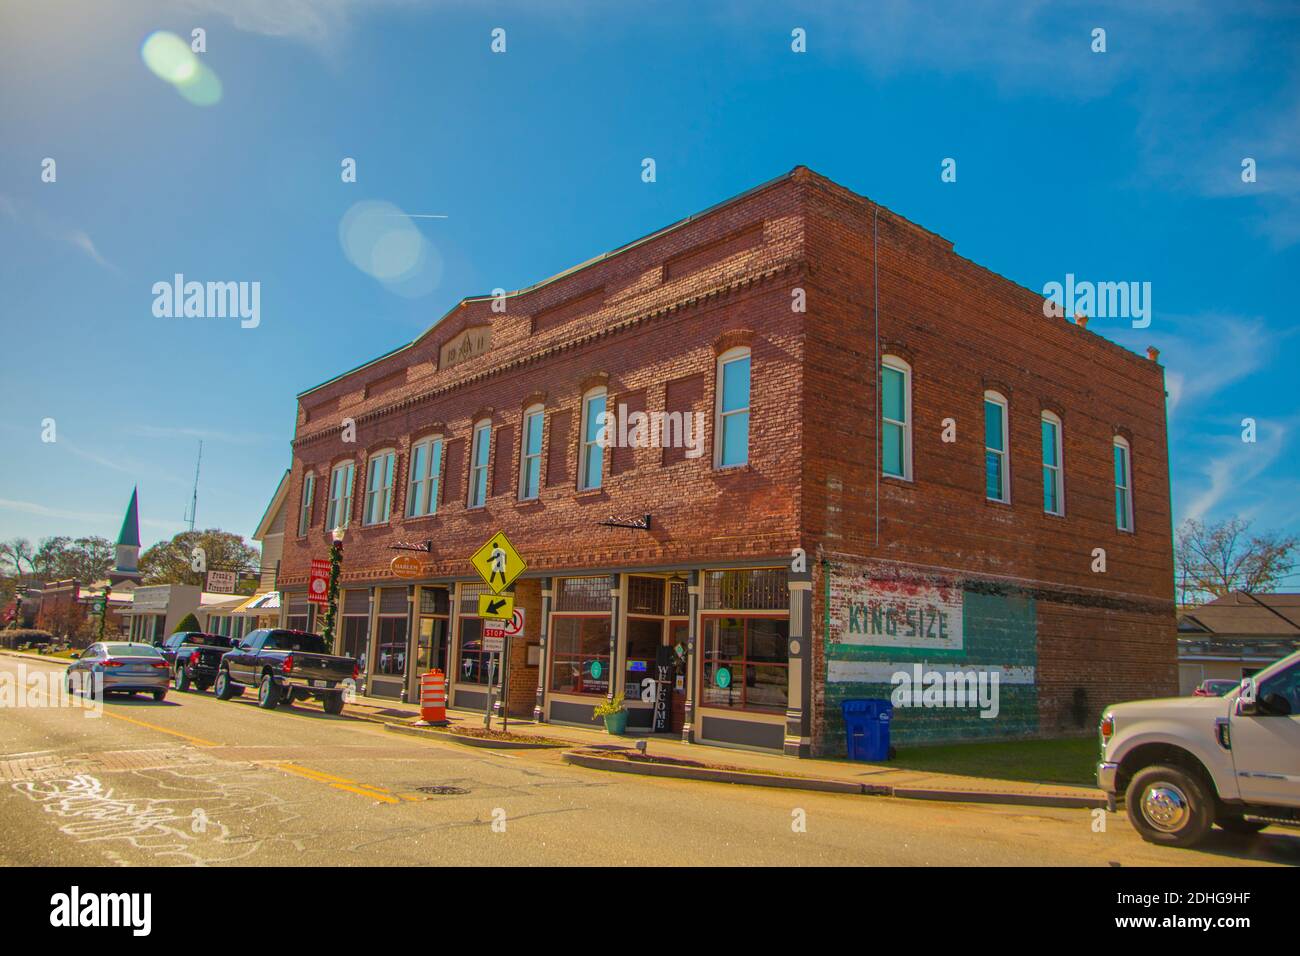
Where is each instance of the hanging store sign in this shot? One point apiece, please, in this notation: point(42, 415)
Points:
point(318, 585)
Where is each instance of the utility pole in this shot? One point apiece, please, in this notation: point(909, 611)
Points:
point(194, 500)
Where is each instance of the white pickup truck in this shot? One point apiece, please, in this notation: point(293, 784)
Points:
point(1184, 764)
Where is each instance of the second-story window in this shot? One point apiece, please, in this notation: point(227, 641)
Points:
point(997, 481)
point(530, 454)
point(1053, 485)
point(731, 425)
point(308, 495)
point(478, 470)
point(379, 487)
point(339, 513)
point(426, 465)
point(895, 418)
point(1123, 486)
point(591, 454)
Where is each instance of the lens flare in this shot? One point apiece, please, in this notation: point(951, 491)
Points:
point(170, 59)
point(382, 241)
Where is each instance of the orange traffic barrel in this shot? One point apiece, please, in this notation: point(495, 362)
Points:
point(433, 697)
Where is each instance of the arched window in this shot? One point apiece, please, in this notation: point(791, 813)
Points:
point(591, 451)
point(530, 453)
point(895, 418)
point(308, 496)
point(426, 468)
point(339, 512)
point(478, 468)
point(1053, 467)
point(379, 486)
point(997, 449)
point(731, 417)
point(1123, 485)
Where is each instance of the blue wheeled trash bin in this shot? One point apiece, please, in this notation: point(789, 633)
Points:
point(866, 728)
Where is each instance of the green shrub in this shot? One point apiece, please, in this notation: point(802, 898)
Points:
point(188, 623)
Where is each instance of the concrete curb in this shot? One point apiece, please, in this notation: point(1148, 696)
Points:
point(470, 741)
point(825, 785)
point(593, 762)
point(1058, 800)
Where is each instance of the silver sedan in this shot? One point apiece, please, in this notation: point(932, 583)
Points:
point(129, 668)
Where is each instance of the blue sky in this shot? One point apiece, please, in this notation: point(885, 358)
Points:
point(1123, 165)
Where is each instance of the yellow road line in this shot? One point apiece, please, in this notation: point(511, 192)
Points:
point(197, 741)
point(339, 783)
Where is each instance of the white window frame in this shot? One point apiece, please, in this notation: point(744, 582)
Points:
point(898, 365)
point(585, 447)
point(997, 398)
point(427, 485)
point(338, 514)
point(482, 432)
point(525, 456)
point(1057, 469)
point(386, 472)
point(719, 416)
point(1119, 441)
point(307, 502)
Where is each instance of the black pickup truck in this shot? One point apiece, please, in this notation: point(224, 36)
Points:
point(285, 666)
point(194, 657)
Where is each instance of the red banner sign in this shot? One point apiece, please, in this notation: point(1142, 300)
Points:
point(318, 585)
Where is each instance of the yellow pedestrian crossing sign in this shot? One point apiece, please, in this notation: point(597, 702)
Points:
point(500, 606)
point(498, 563)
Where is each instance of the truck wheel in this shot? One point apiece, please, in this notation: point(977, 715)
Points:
point(1240, 825)
point(182, 681)
point(268, 695)
point(225, 688)
point(333, 703)
point(1169, 806)
point(159, 696)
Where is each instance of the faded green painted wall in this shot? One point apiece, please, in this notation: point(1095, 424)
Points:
point(997, 631)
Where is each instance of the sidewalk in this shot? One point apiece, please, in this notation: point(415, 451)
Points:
point(908, 784)
point(881, 778)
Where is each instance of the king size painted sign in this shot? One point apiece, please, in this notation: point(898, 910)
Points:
point(892, 615)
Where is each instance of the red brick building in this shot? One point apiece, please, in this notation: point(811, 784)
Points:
point(890, 461)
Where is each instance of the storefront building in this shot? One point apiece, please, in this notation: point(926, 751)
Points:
point(762, 461)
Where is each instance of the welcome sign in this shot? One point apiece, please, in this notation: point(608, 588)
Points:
point(893, 614)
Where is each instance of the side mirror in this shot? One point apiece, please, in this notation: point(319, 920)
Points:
point(74, 656)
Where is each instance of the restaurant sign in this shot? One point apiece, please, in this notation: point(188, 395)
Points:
point(895, 614)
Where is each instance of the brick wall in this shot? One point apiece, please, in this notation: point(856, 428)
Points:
point(646, 337)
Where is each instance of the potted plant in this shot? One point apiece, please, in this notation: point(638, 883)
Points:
point(614, 713)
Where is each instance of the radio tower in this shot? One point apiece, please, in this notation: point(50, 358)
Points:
point(194, 501)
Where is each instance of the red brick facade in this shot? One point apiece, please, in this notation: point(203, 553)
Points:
point(648, 322)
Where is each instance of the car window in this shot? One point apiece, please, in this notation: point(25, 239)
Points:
point(132, 650)
point(295, 641)
point(1285, 683)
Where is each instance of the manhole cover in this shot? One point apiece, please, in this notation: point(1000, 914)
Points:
point(443, 790)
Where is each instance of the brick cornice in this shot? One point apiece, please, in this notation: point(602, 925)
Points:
point(619, 326)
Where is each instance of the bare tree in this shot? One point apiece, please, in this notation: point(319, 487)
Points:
point(15, 553)
point(1217, 558)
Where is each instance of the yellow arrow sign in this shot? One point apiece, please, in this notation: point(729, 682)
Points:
point(500, 606)
point(498, 563)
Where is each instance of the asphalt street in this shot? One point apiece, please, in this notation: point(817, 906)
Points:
point(197, 781)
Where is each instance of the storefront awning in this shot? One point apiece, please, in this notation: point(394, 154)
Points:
point(259, 604)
